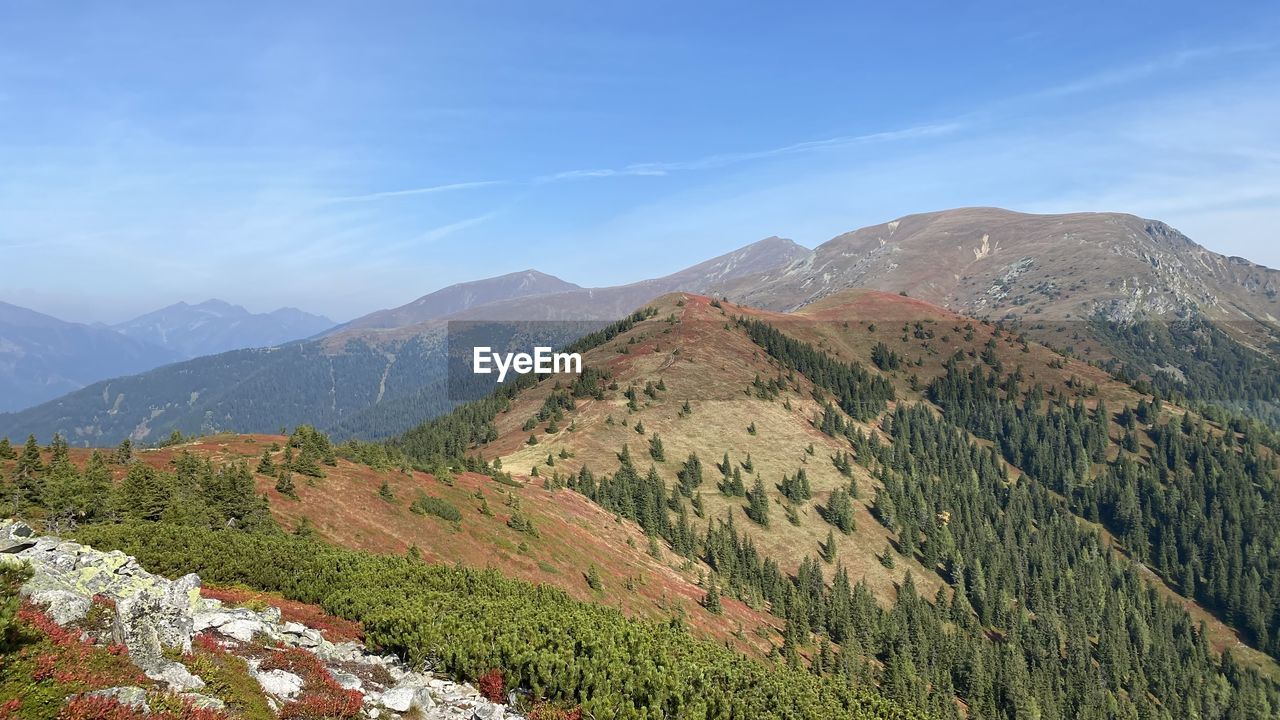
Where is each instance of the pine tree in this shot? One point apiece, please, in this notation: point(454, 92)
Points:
point(58, 451)
point(655, 448)
point(758, 503)
point(265, 465)
point(711, 601)
point(285, 485)
point(29, 463)
point(143, 494)
point(829, 548)
point(384, 491)
point(6, 449)
point(124, 452)
point(593, 578)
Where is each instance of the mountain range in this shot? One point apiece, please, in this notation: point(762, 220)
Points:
point(215, 326)
point(42, 357)
point(379, 374)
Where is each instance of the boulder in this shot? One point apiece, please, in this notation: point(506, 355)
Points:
point(63, 606)
point(241, 629)
point(403, 697)
point(15, 537)
point(279, 683)
point(176, 676)
point(345, 679)
point(133, 697)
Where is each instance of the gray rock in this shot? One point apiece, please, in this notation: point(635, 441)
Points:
point(63, 606)
point(398, 699)
point(242, 630)
point(176, 675)
point(15, 537)
point(489, 711)
point(203, 702)
point(134, 697)
point(403, 697)
point(279, 683)
point(346, 679)
point(146, 623)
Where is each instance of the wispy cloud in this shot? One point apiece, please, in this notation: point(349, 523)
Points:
point(1140, 71)
point(428, 190)
point(711, 162)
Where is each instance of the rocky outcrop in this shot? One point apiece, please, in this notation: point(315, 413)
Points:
point(155, 614)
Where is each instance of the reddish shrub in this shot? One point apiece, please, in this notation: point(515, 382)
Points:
point(102, 708)
point(9, 709)
point(493, 686)
point(317, 706)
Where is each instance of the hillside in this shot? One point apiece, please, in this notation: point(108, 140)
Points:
point(694, 377)
point(42, 357)
point(214, 326)
point(988, 262)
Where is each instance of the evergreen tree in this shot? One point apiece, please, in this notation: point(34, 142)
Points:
point(829, 548)
point(655, 448)
point(711, 601)
point(265, 465)
point(6, 449)
point(758, 503)
point(285, 485)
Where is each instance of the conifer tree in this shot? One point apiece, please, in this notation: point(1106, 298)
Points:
point(285, 485)
point(711, 601)
point(124, 452)
point(656, 450)
point(758, 503)
point(6, 449)
point(829, 548)
point(265, 465)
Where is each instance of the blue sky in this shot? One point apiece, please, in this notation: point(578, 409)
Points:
point(343, 157)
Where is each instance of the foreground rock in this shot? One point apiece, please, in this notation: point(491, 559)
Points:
point(155, 614)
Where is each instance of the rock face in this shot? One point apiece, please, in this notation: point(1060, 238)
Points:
point(155, 614)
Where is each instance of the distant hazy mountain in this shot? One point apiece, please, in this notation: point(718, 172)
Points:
point(462, 296)
point(42, 357)
point(369, 378)
point(215, 326)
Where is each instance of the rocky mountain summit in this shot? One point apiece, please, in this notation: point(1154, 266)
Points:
point(158, 621)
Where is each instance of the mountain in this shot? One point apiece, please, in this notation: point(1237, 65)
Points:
point(611, 303)
point(989, 262)
point(214, 326)
point(456, 298)
point(355, 381)
point(42, 357)
point(926, 454)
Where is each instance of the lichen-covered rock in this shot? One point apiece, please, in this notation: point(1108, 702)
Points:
point(134, 697)
point(63, 606)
